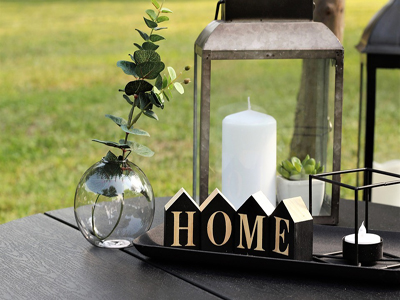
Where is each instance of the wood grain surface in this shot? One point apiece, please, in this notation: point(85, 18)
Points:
point(230, 283)
point(41, 258)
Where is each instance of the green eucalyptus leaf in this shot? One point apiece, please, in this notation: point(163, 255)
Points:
point(151, 24)
point(165, 82)
point(156, 37)
point(132, 58)
point(157, 91)
point(142, 56)
point(166, 10)
point(139, 47)
point(128, 67)
point(152, 14)
point(128, 99)
point(144, 101)
point(140, 149)
point(144, 35)
point(136, 103)
point(156, 100)
point(137, 86)
point(112, 144)
point(155, 3)
point(178, 86)
point(150, 114)
point(110, 156)
point(172, 73)
point(149, 46)
point(167, 94)
point(149, 70)
point(135, 131)
point(159, 28)
point(162, 19)
point(158, 83)
point(117, 120)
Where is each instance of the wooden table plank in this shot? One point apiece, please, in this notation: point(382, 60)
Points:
point(41, 258)
point(231, 283)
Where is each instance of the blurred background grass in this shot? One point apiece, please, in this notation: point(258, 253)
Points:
point(58, 78)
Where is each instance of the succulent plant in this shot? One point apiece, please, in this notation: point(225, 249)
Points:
point(295, 169)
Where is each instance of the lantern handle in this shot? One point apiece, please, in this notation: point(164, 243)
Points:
point(217, 9)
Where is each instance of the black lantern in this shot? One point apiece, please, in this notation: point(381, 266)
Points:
point(380, 48)
point(277, 30)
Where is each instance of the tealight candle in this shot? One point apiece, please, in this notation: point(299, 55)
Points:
point(248, 156)
point(364, 238)
point(369, 247)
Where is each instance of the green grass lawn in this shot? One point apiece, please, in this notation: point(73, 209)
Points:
point(58, 78)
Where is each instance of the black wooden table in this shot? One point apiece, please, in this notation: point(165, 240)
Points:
point(44, 256)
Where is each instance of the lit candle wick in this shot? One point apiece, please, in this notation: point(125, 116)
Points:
point(362, 231)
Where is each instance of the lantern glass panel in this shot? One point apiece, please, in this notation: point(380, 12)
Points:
point(274, 87)
point(386, 147)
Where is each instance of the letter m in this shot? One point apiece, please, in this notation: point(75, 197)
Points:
point(244, 226)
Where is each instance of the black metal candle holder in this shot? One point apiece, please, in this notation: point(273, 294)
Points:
point(352, 252)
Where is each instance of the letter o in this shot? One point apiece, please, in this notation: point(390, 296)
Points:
point(210, 228)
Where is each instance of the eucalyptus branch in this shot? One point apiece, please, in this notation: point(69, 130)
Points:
point(131, 114)
point(149, 87)
point(185, 81)
point(158, 14)
point(135, 119)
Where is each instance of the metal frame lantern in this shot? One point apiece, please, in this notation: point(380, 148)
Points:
point(278, 30)
point(380, 49)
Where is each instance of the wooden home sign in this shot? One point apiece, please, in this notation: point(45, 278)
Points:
point(256, 228)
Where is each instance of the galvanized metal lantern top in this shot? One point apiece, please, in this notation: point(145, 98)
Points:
point(263, 30)
point(274, 29)
point(261, 40)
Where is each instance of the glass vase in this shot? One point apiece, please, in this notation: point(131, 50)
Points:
point(114, 203)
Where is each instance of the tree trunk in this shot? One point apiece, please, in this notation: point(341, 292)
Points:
point(312, 125)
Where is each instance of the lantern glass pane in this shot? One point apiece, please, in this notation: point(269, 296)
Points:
point(299, 94)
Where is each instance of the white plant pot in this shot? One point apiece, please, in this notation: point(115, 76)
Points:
point(294, 188)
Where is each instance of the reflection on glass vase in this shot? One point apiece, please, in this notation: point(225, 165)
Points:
point(114, 203)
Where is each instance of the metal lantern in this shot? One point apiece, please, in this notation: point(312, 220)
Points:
point(277, 30)
point(379, 48)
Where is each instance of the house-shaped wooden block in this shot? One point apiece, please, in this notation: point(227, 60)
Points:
point(217, 216)
point(182, 222)
point(251, 226)
point(291, 230)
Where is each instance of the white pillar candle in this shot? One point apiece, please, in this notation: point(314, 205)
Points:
point(364, 238)
point(248, 156)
